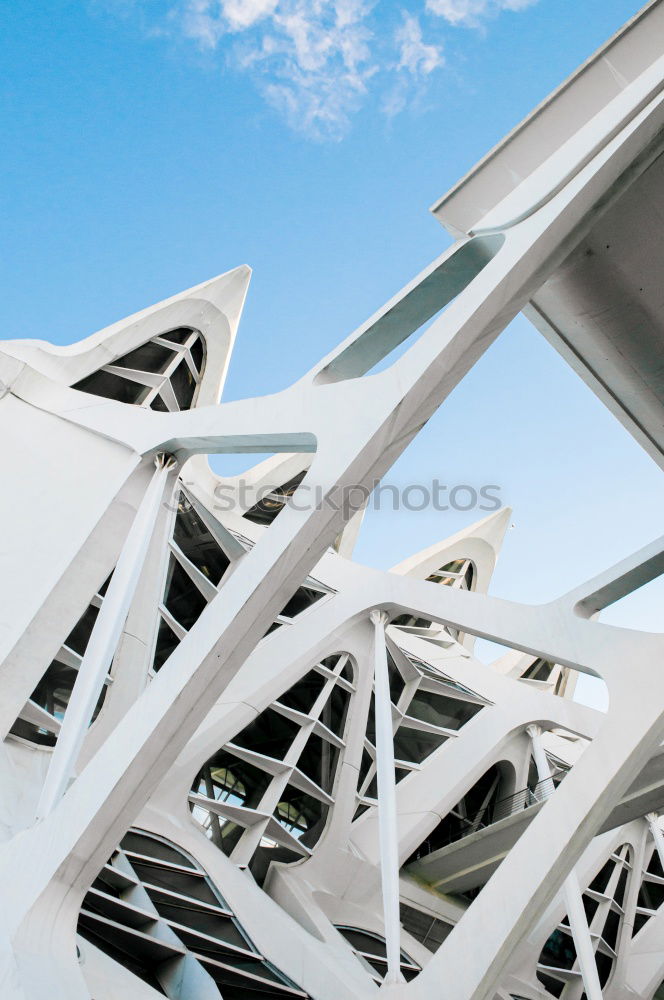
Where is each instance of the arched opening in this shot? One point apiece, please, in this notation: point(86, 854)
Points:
point(603, 901)
point(42, 715)
point(371, 950)
point(155, 911)
point(475, 811)
point(266, 795)
point(163, 373)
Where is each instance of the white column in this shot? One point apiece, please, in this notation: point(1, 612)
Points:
point(387, 802)
point(103, 641)
point(581, 934)
point(545, 785)
point(657, 835)
point(576, 913)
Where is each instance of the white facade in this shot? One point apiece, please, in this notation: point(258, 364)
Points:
point(236, 763)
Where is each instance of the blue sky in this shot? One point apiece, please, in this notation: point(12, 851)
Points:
point(148, 146)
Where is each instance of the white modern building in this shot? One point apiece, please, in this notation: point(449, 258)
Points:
point(237, 764)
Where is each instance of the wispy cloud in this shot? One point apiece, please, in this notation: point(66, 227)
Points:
point(312, 59)
point(317, 61)
point(207, 21)
point(472, 13)
point(417, 59)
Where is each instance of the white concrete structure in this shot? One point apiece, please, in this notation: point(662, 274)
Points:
point(196, 770)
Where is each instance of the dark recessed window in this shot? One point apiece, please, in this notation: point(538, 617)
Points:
point(183, 600)
point(158, 376)
point(198, 544)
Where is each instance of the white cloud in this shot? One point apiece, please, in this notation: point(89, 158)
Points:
point(472, 12)
point(415, 56)
point(207, 21)
point(241, 14)
point(312, 59)
point(317, 61)
point(416, 61)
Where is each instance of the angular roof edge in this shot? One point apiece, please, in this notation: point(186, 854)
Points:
point(578, 99)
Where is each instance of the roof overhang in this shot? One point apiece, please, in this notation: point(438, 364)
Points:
point(602, 308)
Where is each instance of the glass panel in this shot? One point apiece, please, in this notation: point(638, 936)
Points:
point(414, 746)
point(221, 928)
point(196, 351)
point(233, 780)
point(198, 544)
point(347, 673)
point(112, 386)
point(183, 598)
point(148, 357)
point(454, 575)
point(265, 854)
point(363, 941)
point(397, 683)
point(655, 865)
point(411, 621)
point(53, 691)
point(619, 894)
point(601, 880)
point(179, 336)
point(590, 906)
point(365, 766)
point(301, 815)
point(243, 975)
point(173, 879)
point(301, 696)
point(138, 842)
point(335, 711)
point(141, 966)
point(611, 928)
point(436, 709)
point(604, 967)
point(270, 734)
point(651, 895)
point(79, 636)
point(430, 931)
point(166, 643)
point(371, 720)
point(319, 762)
point(559, 951)
point(300, 601)
point(554, 986)
point(158, 404)
point(265, 511)
point(184, 385)
point(540, 670)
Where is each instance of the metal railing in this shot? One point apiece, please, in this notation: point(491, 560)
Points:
point(521, 800)
point(493, 813)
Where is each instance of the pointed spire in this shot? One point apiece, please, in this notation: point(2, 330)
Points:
point(218, 326)
point(480, 542)
point(227, 292)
